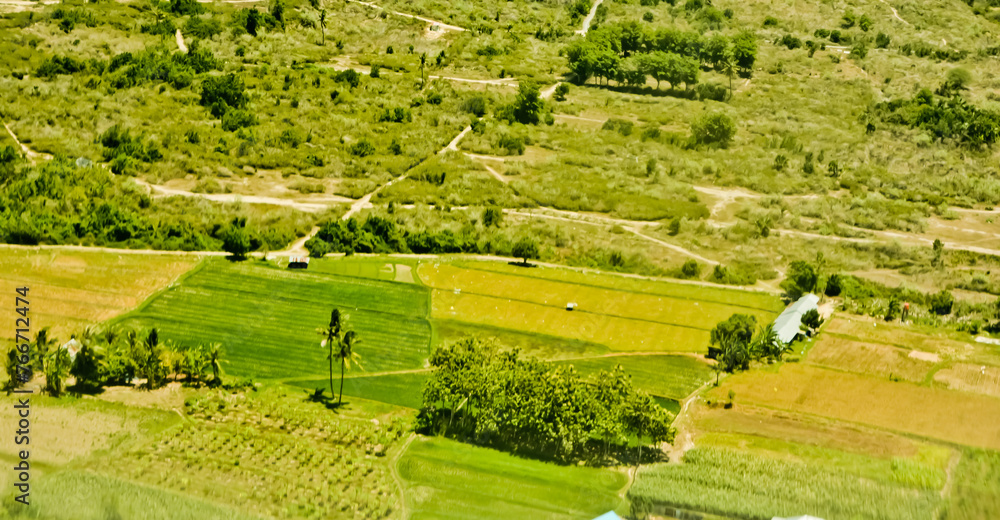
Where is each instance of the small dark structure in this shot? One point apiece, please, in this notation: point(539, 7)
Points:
point(298, 262)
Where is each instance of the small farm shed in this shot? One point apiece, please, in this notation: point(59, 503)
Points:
point(610, 515)
point(72, 347)
point(788, 323)
point(298, 262)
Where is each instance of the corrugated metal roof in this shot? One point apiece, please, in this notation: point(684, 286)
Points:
point(787, 324)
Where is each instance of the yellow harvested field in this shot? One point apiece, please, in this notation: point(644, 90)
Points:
point(69, 289)
point(616, 333)
point(621, 319)
point(959, 417)
point(869, 358)
point(870, 330)
point(968, 377)
point(771, 424)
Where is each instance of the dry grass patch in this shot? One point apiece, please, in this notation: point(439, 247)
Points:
point(933, 412)
point(869, 358)
point(980, 379)
point(869, 330)
point(70, 289)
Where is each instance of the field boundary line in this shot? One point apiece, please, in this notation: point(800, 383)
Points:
point(160, 292)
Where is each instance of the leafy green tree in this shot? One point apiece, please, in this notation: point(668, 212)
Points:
point(812, 319)
point(739, 327)
point(745, 51)
point(88, 367)
point(892, 309)
point(322, 26)
point(941, 303)
point(766, 343)
point(882, 40)
point(691, 269)
point(801, 279)
point(492, 216)
point(317, 247)
point(236, 239)
point(525, 249)
point(865, 23)
point(938, 248)
point(727, 67)
point(528, 104)
point(56, 371)
point(278, 12)
point(715, 128)
point(561, 91)
point(221, 93)
point(859, 51)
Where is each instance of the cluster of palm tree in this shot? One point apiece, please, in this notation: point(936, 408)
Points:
point(111, 356)
point(736, 351)
point(340, 340)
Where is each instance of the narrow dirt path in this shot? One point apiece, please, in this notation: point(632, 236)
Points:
point(589, 19)
point(684, 439)
point(404, 512)
point(415, 17)
point(179, 36)
point(894, 12)
point(311, 205)
point(31, 154)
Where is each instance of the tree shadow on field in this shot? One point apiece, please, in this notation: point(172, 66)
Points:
point(330, 403)
point(515, 263)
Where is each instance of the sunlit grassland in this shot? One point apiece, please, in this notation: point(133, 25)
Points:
point(267, 319)
point(750, 485)
point(673, 377)
point(902, 407)
point(448, 479)
point(70, 289)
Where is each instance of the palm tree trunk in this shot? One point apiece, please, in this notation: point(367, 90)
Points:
point(341, 398)
point(331, 371)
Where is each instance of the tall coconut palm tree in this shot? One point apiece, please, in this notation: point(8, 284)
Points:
point(347, 357)
point(331, 339)
point(727, 66)
point(213, 357)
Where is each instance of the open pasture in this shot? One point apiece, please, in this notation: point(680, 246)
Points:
point(751, 485)
point(393, 269)
point(267, 319)
point(622, 320)
point(903, 407)
point(907, 337)
point(969, 377)
point(532, 344)
point(673, 377)
point(750, 300)
point(448, 479)
point(875, 359)
point(83, 495)
point(69, 289)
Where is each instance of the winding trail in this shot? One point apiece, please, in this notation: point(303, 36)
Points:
point(31, 154)
point(393, 463)
point(590, 18)
point(413, 16)
point(311, 205)
point(894, 12)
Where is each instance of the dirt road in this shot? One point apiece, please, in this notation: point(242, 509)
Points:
point(589, 19)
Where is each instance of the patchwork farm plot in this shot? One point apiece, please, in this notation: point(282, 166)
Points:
point(70, 288)
point(267, 318)
point(447, 479)
point(623, 320)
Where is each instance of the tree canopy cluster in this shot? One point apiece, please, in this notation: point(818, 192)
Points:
point(951, 118)
point(487, 395)
point(378, 234)
point(128, 69)
point(119, 357)
point(738, 341)
point(59, 202)
point(629, 53)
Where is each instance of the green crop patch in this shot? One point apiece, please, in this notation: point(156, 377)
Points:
point(448, 479)
point(267, 319)
point(673, 377)
point(398, 389)
point(731, 483)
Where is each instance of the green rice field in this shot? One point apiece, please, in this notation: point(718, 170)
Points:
point(673, 377)
point(398, 389)
point(447, 479)
point(267, 319)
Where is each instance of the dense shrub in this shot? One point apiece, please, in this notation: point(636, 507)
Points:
point(713, 129)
